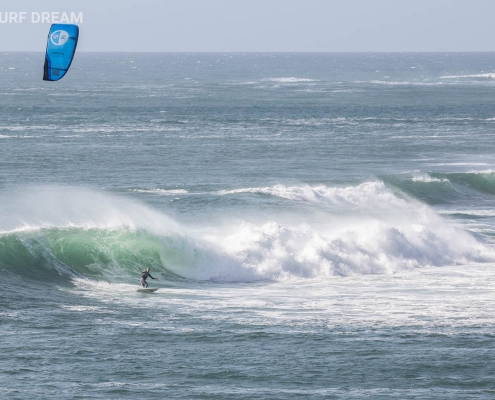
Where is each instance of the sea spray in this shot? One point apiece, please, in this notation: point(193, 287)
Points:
point(367, 228)
point(35, 208)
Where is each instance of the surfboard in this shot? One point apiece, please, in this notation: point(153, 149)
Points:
point(147, 290)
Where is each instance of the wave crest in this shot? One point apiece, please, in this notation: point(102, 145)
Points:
point(369, 194)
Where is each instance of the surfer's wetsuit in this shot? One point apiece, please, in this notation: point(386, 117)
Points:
point(144, 276)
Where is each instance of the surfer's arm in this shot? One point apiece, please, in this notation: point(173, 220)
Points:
point(152, 277)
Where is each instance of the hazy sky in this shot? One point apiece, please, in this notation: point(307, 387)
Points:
point(261, 25)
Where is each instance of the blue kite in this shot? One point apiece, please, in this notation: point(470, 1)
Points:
point(60, 49)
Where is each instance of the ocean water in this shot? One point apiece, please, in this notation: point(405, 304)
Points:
point(322, 226)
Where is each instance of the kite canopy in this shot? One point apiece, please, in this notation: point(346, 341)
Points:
point(60, 49)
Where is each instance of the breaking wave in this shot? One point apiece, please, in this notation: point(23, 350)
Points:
point(440, 188)
point(59, 234)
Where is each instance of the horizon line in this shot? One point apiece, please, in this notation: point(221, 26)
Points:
point(263, 51)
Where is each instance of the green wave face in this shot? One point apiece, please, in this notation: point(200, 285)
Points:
point(112, 255)
point(479, 182)
point(437, 188)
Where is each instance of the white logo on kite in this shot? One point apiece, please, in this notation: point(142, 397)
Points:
point(58, 38)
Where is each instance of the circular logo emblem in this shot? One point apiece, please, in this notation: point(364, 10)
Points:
point(58, 38)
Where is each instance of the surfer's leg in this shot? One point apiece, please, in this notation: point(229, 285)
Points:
point(143, 283)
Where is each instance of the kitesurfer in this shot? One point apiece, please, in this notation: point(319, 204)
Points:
point(144, 276)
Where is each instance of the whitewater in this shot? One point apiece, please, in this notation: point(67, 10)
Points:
point(322, 226)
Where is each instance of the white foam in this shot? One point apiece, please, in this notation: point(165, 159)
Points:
point(404, 235)
point(359, 246)
point(430, 300)
point(409, 83)
point(482, 172)
point(460, 164)
point(103, 286)
point(164, 192)
point(427, 178)
point(290, 80)
point(91, 309)
point(489, 75)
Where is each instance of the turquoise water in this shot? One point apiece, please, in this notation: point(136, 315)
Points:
point(322, 226)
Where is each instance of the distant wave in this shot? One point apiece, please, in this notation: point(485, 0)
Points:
point(486, 76)
point(410, 83)
point(368, 194)
point(290, 80)
point(431, 188)
point(439, 188)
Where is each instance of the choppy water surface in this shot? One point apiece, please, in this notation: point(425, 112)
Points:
point(322, 226)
